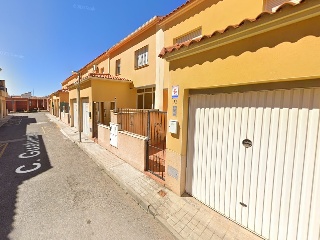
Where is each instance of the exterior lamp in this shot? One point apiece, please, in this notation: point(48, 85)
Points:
point(78, 101)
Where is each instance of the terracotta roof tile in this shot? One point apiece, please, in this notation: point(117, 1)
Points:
point(176, 47)
point(107, 76)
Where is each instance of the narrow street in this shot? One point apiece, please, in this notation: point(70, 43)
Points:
point(50, 189)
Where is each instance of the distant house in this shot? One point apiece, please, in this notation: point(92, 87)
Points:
point(26, 103)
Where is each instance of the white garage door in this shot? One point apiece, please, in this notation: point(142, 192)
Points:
point(75, 115)
point(86, 126)
point(272, 187)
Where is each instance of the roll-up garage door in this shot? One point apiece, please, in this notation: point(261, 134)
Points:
point(255, 158)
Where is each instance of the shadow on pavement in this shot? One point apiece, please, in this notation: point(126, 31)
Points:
point(22, 157)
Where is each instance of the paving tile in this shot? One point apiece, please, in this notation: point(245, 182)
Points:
point(177, 228)
point(185, 220)
point(194, 221)
point(180, 224)
point(181, 214)
point(215, 237)
point(191, 225)
point(187, 230)
point(206, 234)
point(199, 229)
point(171, 222)
point(174, 219)
point(220, 231)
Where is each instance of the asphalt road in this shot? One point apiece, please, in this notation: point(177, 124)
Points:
point(50, 189)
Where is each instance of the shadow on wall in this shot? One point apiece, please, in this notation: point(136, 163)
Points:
point(288, 35)
point(24, 157)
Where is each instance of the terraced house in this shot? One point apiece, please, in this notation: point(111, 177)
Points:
point(239, 81)
point(248, 112)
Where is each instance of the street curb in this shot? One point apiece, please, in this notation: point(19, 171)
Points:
point(164, 223)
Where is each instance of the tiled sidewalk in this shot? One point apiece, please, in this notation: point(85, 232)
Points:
point(185, 217)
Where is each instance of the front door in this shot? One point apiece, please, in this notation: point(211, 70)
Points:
point(96, 118)
point(86, 126)
point(75, 115)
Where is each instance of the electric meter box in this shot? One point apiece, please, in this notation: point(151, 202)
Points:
point(173, 126)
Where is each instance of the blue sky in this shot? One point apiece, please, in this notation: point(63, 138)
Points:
point(42, 41)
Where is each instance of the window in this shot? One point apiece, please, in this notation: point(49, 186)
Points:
point(146, 98)
point(141, 57)
point(273, 5)
point(191, 35)
point(95, 69)
point(102, 70)
point(118, 62)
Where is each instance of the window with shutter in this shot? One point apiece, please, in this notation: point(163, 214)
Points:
point(189, 36)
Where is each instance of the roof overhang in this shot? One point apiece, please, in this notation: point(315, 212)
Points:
point(286, 15)
point(100, 77)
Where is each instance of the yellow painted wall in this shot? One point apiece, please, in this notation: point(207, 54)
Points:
point(105, 91)
point(64, 97)
point(286, 54)
point(211, 16)
point(143, 76)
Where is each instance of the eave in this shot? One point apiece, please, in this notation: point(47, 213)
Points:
point(265, 22)
point(92, 76)
point(179, 11)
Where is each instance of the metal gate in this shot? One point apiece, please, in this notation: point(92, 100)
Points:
point(156, 145)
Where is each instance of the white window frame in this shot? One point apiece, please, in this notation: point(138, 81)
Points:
point(153, 90)
point(141, 57)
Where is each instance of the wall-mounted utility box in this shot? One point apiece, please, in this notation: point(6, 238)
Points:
point(114, 134)
point(173, 126)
